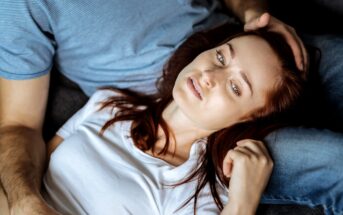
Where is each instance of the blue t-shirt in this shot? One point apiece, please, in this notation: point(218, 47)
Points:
point(98, 42)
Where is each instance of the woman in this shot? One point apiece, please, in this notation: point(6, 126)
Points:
point(177, 152)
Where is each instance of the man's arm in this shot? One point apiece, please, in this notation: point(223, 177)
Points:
point(3, 203)
point(246, 10)
point(22, 149)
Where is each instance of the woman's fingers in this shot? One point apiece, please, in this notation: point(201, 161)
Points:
point(255, 146)
point(227, 166)
point(247, 152)
point(229, 159)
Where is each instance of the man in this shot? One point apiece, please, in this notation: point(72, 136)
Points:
point(123, 43)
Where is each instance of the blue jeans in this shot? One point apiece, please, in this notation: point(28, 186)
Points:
point(308, 162)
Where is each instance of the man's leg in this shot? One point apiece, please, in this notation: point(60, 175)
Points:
point(330, 78)
point(308, 168)
point(309, 162)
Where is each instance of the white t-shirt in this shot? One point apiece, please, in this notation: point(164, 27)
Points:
point(92, 174)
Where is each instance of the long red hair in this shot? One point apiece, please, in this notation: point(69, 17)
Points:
point(147, 120)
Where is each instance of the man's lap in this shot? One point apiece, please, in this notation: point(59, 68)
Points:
point(327, 89)
point(307, 167)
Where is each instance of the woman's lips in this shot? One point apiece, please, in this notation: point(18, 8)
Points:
point(194, 87)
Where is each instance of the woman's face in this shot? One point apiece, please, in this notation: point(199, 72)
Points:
point(221, 86)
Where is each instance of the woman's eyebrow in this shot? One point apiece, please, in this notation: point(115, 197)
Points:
point(232, 51)
point(246, 80)
point(243, 74)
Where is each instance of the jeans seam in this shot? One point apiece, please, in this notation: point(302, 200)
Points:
point(304, 201)
point(295, 200)
point(331, 208)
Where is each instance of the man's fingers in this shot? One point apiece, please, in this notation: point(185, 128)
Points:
point(294, 41)
point(303, 63)
point(258, 22)
point(252, 25)
point(264, 19)
point(298, 49)
point(273, 24)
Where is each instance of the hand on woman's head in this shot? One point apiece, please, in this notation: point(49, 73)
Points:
point(265, 20)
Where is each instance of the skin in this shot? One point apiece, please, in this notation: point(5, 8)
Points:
point(21, 143)
point(3, 203)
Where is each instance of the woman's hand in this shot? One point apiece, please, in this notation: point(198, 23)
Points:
point(249, 167)
point(255, 21)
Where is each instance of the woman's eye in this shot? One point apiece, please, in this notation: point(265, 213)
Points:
point(220, 57)
point(235, 89)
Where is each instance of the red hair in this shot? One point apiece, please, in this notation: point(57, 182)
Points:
point(147, 120)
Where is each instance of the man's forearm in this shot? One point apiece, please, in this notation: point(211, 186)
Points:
point(3, 203)
point(22, 156)
point(246, 9)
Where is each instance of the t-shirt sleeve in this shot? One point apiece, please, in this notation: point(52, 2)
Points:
point(92, 105)
point(26, 39)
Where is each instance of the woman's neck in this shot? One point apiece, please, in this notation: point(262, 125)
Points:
point(181, 126)
point(183, 133)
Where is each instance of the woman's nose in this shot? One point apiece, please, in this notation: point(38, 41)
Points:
point(211, 78)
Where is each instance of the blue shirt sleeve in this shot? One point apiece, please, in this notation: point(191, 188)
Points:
point(26, 40)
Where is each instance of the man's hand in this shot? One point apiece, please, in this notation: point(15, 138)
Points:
point(33, 205)
point(256, 21)
point(249, 167)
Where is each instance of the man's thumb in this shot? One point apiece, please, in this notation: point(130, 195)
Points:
point(258, 22)
point(263, 20)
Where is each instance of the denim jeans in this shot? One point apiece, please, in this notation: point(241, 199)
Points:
point(308, 162)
